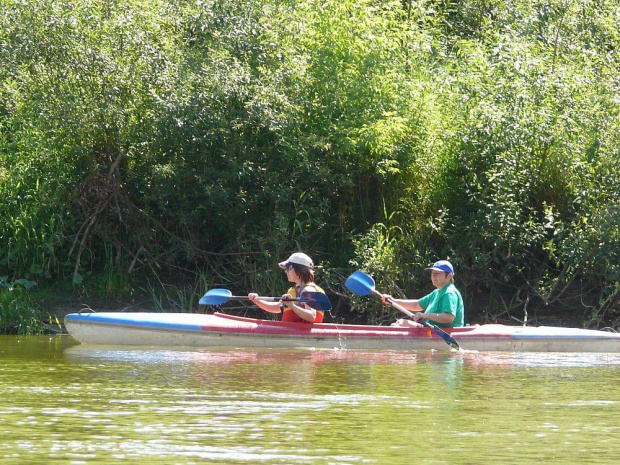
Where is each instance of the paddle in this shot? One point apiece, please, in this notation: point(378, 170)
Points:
point(316, 300)
point(362, 284)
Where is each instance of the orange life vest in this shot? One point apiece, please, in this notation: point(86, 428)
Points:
point(288, 314)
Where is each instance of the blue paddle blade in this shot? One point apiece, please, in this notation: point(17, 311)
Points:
point(316, 300)
point(215, 297)
point(447, 338)
point(360, 283)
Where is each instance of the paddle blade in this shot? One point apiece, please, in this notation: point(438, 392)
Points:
point(316, 300)
point(360, 283)
point(215, 297)
point(447, 338)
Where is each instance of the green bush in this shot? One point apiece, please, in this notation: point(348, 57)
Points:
point(18, 313)
point(159, 141)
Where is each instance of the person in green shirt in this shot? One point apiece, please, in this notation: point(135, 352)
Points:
point(443, 307)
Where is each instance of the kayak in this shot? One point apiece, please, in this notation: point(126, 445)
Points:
point(221, 330)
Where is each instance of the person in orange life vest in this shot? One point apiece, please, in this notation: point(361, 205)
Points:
point(443, 307)
point(299, 270)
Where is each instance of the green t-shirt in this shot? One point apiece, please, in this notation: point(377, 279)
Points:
point(447, 300)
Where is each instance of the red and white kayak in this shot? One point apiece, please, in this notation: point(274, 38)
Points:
point(199, 330)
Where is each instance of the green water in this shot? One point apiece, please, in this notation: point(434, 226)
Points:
point(71, 404)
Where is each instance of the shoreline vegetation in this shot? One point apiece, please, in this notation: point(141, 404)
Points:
point(152, 150)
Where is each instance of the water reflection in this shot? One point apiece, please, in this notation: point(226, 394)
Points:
point(340, 356)
point(226, 356)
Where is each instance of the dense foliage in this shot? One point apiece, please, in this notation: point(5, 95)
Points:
point(202, 141)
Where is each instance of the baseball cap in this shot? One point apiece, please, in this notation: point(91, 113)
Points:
point(298, 258)
point(441, 265)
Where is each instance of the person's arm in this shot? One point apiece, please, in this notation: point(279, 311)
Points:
point(444, 318)
point(305, 313)
point(270, 307)
point(412, 305)
point(408, 304)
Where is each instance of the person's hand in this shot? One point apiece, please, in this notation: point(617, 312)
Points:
point(418, 316)
point(385, 298)
point(252, 296)
point(286, 300)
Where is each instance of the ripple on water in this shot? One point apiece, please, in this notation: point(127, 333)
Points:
point(100, 405)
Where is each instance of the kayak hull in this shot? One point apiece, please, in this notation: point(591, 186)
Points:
point(219, 330)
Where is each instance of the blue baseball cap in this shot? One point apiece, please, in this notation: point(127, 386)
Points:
point(441, 265)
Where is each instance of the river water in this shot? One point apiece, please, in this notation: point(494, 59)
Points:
point(61, 402)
